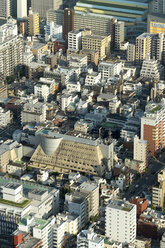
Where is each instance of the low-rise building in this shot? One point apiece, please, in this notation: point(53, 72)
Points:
point(87, 239)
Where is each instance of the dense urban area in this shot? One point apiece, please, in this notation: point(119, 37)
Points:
point(82, 123)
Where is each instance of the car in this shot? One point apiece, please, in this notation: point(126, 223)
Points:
point(136, 186)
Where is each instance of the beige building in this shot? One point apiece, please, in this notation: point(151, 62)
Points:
point(43, 6)
point(65, 153)
point(11, 55)
point(92, 56)
point(143, 47)
point(140, 150)
point(97, 43)
point(158, 191)
point(33, 23)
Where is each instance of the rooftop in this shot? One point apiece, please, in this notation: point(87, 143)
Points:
point(121, 205)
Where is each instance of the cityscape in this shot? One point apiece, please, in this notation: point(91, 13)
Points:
point(82, 123)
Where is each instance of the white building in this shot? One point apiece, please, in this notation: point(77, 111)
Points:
point(44, 88)
point(131, 53)
point(132, 87)
point(8, 29)
point(33, 112)
point(74, 40)
point(78, 61)
point(73, 86)
point(21, 9)
point(53, 32)
point(140, 150)
point(82, 107)
point(5, 117)
point(152, 69)
point(92, 78)
point(66, 99)
point(89, 239)
point(28, 55)
point(109, 69)
point(120, 221)
point(114, 104)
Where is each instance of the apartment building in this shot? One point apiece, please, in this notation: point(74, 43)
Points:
point(53, 32)
point(109, 69)
point(140, 150)
point(43, 6)
point(11, 56)
point(84, 155)
point(74, 40)
point(119, 34)
point(158, 191)
point(5, 117)
point(9, 150)
point(6, 9)
point(8, 29)
point(33, 23)
point(152, 69)
point(87, 239)
point(84, 202)
point(97, 43)
point(45, 88)
point(143, 47)
point(152, 126)
point(33, 112)
point(131, 53)
point(120, 221)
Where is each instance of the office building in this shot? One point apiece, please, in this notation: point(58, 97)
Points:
point(19, 199)
point(43, 6)
point(123, 10)
point(140, 150)
point(120, 221)
point(97, 43)
point(158, 191)
point(21, 9)
point(85, 155)
point(87, 239)
point(143, 47)
point(11, 56)
point(74, 40)
point(68, 22)
point(152, 69)
point(152, 126)
point(156, 23)
point(33, 23)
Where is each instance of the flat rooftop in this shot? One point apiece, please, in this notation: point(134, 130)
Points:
point(121, 205)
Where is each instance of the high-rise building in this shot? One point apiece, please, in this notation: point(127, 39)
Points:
point(131, 53)
point(43, 6)
point(97, 43)
point(6, 9)
point(33, 23)
point(21, 9)
point(123, 10)
point(152, 126)
point(119, 34)
point(158, 191)
point(68, 22)
point(120, 221)
point(143, 47)
point(140, 150)
point(11, 56)
point(157, 6)
point(74, 40)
